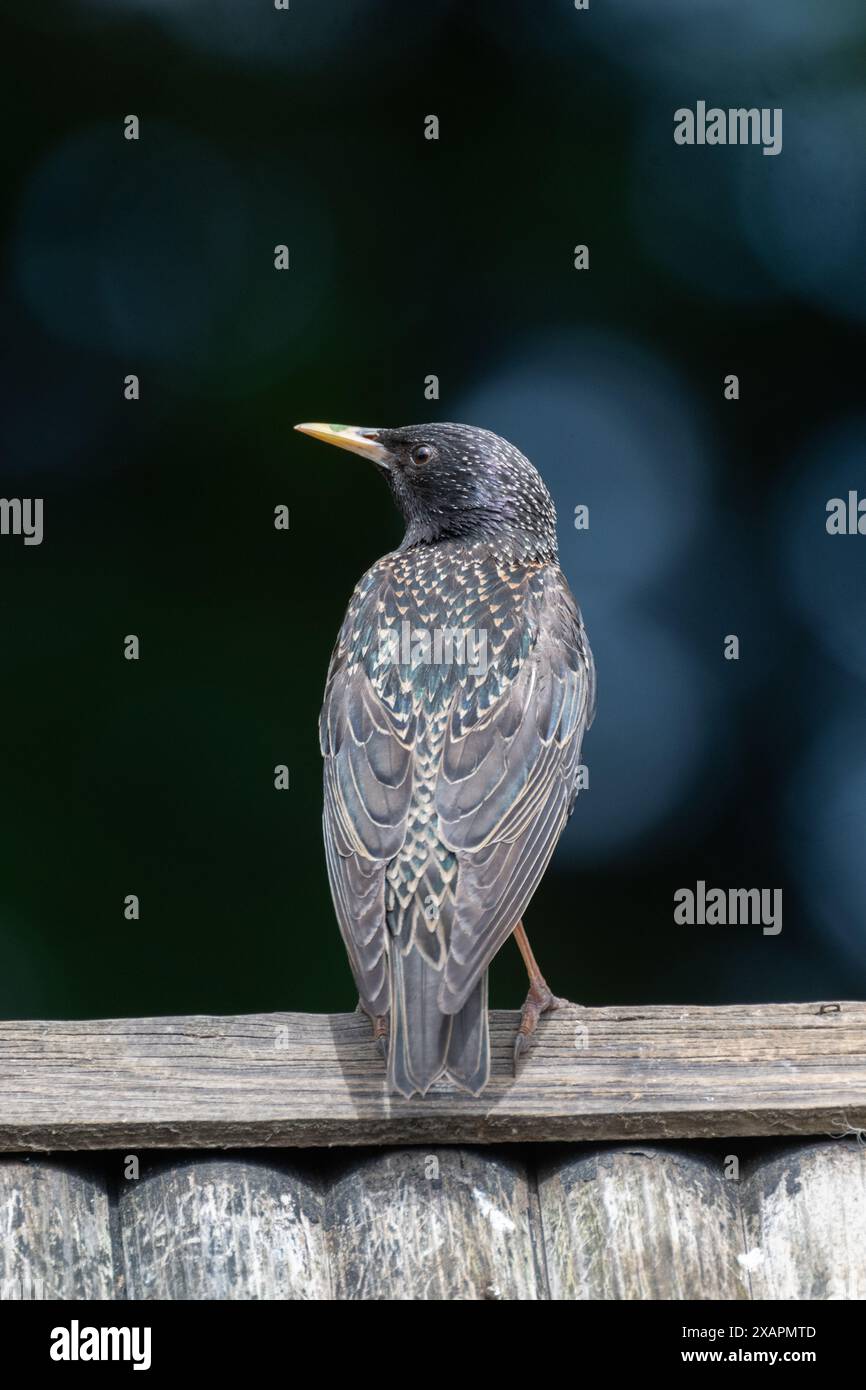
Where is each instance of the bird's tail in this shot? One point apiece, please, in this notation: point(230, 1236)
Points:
point(424, 1043)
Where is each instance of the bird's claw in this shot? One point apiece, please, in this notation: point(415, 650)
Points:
point(540, 1000)
point(379, 1025)
point(380, 1035)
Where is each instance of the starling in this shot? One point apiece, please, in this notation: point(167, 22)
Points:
point(457, 697)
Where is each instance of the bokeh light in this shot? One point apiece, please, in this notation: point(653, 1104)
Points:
point(111, 231)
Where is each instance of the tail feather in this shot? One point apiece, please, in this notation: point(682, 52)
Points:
point(468, 1061)
point(425, 1044)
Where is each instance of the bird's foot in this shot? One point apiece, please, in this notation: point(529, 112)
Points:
point(540, 1000)
point(379, 1025)
point(380, 1033)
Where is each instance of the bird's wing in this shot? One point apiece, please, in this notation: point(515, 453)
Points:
point(507, 784)
point(368, 751)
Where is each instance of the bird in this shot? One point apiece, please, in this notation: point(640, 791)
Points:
point(448, 782)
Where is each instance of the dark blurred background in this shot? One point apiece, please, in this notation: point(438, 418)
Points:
point(411, 257)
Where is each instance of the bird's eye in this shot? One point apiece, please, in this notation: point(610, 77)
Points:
point(422, 454)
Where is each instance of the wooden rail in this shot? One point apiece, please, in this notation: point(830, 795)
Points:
point(311, 1080)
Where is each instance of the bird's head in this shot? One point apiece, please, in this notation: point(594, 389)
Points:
point(456, 482)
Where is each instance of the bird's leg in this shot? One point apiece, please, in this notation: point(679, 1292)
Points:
point(539, 999)
point(380, 1027)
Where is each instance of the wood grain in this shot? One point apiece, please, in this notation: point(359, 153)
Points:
point(316, 1079)
point(433, 1224)
point(55, 1232)
point(805, 1222)
point(223, 1228)
point(644, 1223)
point(626, 1221)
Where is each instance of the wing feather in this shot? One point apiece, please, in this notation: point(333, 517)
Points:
point(368, 751)
point(507, 787)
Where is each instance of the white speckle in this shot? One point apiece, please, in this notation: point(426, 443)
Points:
point(752, 1260)
point(498, 1220)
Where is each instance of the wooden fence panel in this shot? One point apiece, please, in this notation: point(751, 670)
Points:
point(805, 1221)
point(434, 1224)
point(55, 1232)
point(227, 1227)
point(648, 1223)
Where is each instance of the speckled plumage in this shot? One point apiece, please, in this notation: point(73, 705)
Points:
point(446, 786)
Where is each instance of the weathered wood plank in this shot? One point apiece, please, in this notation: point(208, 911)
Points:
point(645, 1223)
point(222, 1228)
point(654, 1222)
point(55, 1237)
point(805, 1221)
point(307, 1079)
point(436, 1224)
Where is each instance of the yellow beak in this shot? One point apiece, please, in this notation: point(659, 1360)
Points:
point(352, 437)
